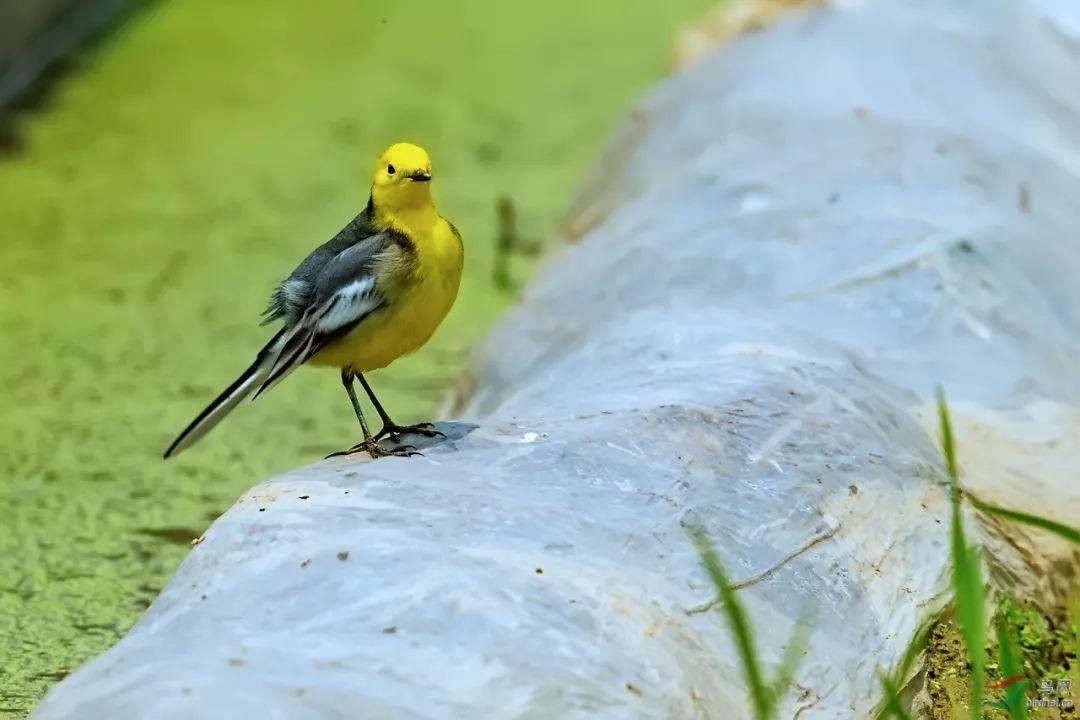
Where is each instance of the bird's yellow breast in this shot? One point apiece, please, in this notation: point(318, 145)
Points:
point(417, 298)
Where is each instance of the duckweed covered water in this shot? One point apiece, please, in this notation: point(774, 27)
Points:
point(182, 169)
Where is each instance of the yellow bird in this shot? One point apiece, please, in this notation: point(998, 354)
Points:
point(376, 291)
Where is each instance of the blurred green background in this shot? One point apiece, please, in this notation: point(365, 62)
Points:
point(179, 170)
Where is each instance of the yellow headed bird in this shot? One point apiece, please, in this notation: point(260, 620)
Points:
point(376, 291)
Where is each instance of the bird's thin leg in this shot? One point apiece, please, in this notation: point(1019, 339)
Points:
point(369, 444)
point(389, 426)
point(374, 400)
point(347, 381)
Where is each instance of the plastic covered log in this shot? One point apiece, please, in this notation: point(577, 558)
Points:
point(782, 252)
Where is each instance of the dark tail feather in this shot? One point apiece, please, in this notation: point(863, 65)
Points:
point(216, 411)
point(278, 372)
point(296, 347)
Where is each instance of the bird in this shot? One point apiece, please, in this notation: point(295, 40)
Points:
point(374, 292)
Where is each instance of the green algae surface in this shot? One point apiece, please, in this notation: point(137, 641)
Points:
point(181, 169)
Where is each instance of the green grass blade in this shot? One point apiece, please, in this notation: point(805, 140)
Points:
point(1069, 533)
point(740, 627)
point(947, 446)
point(967, 574)
point(893, 706)
point(793, 655)
point(971, 615)
point(1009, 661)
point(915, 649)
point(1076, 633)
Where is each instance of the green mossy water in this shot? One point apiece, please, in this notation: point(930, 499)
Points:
point(181, 170)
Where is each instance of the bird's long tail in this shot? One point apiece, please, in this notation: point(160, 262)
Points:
point(249, 381)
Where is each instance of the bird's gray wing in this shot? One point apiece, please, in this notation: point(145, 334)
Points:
point(344, 292)
point(296, 293)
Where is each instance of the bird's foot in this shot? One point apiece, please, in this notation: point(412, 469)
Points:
point(372, 447)
point(426, 429)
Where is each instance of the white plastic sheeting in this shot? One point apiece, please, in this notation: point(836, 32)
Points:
point(784, 249)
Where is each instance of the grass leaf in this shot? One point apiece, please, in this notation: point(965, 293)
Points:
point(915, 649)
point(947, 445)
point(967, 573)
point(1009, 662)
point(1076, 632)
point(1069, 533)
point(760, 694)
point(793, 655)
point(893, 705)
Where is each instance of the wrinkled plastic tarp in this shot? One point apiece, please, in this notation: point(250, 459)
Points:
point(784, 250)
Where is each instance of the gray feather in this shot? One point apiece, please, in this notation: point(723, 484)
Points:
point(335, 263)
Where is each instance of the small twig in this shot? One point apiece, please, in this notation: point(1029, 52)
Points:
point(747, 582)
point(509, 242)
point(504, 242)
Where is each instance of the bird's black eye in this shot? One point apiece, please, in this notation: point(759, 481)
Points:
point(390, 170)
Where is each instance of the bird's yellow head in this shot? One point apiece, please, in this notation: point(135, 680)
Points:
point(402, 180)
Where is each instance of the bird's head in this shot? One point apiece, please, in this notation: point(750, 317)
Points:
point(402, 179)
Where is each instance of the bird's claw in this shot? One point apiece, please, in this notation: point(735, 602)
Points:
point(375, 450)
point(425, 428)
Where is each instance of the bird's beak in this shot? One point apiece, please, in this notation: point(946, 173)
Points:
point(420, 176)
